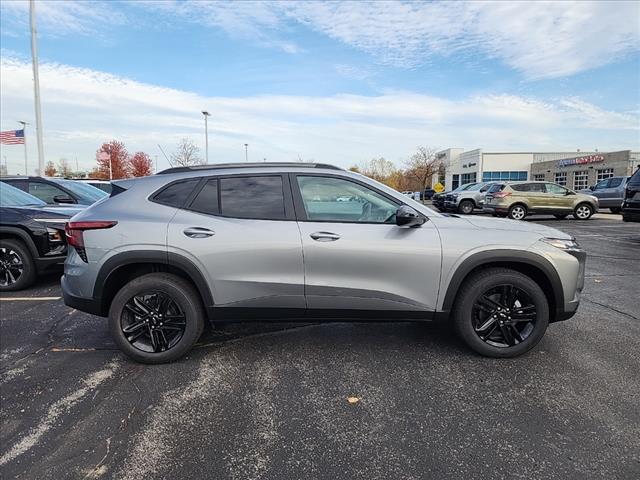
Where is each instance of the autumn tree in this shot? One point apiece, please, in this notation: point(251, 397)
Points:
point(113, 153)
point(64, 168)
point(421, 167)
point(140, 165)
point(187, 153)
point(50, 169)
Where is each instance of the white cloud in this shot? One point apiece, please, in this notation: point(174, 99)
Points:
point(83, 108)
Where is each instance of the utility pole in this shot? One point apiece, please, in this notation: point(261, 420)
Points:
point(36, 85)
point(206, 135)
point(24, 133)
point(246, 152)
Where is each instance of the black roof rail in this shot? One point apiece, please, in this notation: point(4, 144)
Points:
point(220, 166)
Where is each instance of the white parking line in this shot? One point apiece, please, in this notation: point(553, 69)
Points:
point(28, 299)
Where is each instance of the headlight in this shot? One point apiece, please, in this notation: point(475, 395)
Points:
point(54, 235)
point(569, 245)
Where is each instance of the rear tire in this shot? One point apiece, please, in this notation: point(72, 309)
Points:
point(583, 211)
point(466, 207)
point(472, 319)
point(517, 212)
point(17, 268)
point(163, 316)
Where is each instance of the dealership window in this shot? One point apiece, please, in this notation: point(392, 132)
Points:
point(512, 176)
point(604, 173)
point(538, 177)
point(580, 180)
point(468, 178)
point(455, 182)
point(561, 178)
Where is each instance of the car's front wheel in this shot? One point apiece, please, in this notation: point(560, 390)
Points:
point(466, 207)
point(583, 212)
point(500, 312)
point(156, 318)
point(17, 269)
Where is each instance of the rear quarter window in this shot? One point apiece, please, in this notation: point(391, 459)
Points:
point(176, 194)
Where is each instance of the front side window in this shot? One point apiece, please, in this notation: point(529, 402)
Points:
point(556, 189)
point(601, 184)
point(328, 199)
point(85, 192)
point(259, 197)
point(46, 192)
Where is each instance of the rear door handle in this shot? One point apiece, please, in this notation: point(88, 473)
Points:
point(198, 232)
point(325, 236)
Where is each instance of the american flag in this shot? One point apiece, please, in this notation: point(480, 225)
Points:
point(12, 137)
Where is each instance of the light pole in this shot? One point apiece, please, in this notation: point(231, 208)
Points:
point(246, 152)
point(36, 85)
point(206, 135)
point(24, 135)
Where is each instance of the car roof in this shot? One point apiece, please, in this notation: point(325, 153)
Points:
point(224, 166)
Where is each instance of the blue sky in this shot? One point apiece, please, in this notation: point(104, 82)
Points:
point(336, 82)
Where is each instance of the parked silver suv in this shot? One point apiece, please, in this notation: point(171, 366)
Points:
point(466, 201)
point(165, 253)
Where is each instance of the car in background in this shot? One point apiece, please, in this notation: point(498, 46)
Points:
point(103, 185)
point(631, 203)
point(438, 198)
point(516, 200)
point(609, 192)
point(32, 238)
point(429, 193)
point(466, 201)
point(53, 190)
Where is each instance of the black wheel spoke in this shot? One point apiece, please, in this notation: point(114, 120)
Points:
point(490, 321)
point(507, 335)
point(132, 328)
point(142, 305)
point(490, 332)
point(135, 310)
point(489, 303)
point(516, 334)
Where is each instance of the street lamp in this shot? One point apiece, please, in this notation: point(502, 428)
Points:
point(246, 152)
point(206, 135)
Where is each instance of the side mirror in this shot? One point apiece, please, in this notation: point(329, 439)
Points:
point(63, 199)
point(569, 192)
point(592, 188)
point(408, 217)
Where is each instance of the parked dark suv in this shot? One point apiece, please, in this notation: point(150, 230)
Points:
point(53, 190)
point(631, 204)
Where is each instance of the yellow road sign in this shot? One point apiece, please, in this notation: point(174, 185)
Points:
point(438, 187)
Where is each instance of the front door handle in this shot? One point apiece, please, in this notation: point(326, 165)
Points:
point(198, 232)
point(325, 236)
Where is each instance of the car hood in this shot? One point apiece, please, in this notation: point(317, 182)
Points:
point(516, 225)
point(43, 212)
point(68, 210)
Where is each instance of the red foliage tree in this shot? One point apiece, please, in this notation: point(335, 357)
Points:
point(115, 153)
point(140, 165)
point(50, 169)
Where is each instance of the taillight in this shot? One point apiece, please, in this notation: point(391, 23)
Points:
point(73, 232)
point(501, 194)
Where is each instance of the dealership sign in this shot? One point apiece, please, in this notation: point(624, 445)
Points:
point(580, 160)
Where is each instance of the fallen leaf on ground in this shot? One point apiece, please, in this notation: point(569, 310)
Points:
point(353, 400)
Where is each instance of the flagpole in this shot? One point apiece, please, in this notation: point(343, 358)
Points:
point(24, 135)
point(36, 85)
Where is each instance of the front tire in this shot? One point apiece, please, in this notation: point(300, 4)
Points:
point(583, 211)
point(466, 207)
point(17, 268)
point(156, 318)
point(500, 313)
point(517, 212)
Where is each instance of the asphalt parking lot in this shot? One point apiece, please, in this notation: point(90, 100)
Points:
point(269, 400)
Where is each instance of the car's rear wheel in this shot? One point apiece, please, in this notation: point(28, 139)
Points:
point(466, 207)
point(156, 318)
point(615, 210)
point(501, 313)
point(17, 269)
point(517, 212)
point(560, 216)
point(583, 212)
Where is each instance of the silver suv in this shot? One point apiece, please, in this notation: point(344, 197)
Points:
point(165, 253)
point(466, 201)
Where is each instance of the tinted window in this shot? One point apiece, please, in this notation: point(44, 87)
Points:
point(615, 182)
point(497, 187)
point(177, 193)
point(84, 192)
point(207, 199)
point(529, 187)
point(45, 191)
point(252, 197)
point(602, 184)
point(14, 197)
point(556, 189)
point(338, 200)
point(635, 178)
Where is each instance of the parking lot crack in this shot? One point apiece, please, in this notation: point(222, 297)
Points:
point(611, 308)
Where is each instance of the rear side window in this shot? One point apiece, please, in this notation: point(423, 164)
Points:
point(615, 182)
point(528, 187)
point(207, 199)
point(176, 194)
point(258, 197)
point(496, 188)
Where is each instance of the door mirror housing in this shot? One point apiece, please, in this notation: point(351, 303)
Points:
point(569, 192)
point(592, 188)
point(63, 199)
point(408, 217)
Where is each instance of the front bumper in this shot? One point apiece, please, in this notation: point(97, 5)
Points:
point(569, 308)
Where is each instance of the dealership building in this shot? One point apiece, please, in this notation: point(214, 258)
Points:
point(575, 170)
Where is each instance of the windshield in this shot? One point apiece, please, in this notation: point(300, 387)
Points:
point(475, 187)
point(83, 191)
point(14, 197)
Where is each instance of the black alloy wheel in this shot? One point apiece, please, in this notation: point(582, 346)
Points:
point(153, 322)
point(11, 267)
point(504, 316)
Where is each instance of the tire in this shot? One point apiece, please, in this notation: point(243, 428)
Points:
point(615, 210)
point(466, 314)
point(494, 214)
point(466, 207)
point(184, 306)
point(560, 216)
point(517, 212)
point(13, 255)
point(583, 211)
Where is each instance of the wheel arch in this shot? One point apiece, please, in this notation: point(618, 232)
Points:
point(533, 265)
point(125, 266)
point(19, 234)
